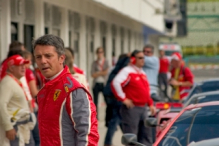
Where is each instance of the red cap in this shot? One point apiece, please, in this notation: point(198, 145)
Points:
point(176, 56)
point(17, 60)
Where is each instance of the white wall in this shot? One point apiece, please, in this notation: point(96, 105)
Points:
point(127, 17)
point(138, 10)
point(5, 28)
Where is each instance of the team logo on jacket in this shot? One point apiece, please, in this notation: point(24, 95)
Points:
point(56, 94)
point(66, 89)
point(68, 85)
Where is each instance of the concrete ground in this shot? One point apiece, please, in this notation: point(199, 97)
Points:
point(102, 129)
point(199, 76)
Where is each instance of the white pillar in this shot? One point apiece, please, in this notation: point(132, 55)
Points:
point(97, 39)
point(21, 31)
point(126, 50)
point(118, 42)
point(109, 44)
point(132, 41)
point(65, 27)
point(5, 28)
point(39, 18)
point(82, 44)
point(154, 40)
point(142, 41)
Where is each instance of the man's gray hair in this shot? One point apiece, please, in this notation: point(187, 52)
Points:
point(149, 46)
point(50, 40)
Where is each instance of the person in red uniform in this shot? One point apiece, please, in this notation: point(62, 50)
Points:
point(131, 87)
point(181, 77)
point(4, 64)
point(15, 48)
point(75, 67)
point(78, 70)
point(67, 114)
point(164, 69)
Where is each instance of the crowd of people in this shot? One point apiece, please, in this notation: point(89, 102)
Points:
point(132, 86)
point(45, 98)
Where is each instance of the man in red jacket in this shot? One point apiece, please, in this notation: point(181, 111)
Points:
point(132, 88)
point(182, 78)
point(67, 115)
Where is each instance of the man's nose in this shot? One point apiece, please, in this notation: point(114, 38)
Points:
point(43, 60)
point(23, 66)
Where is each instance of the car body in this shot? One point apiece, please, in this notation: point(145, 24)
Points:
point(209, 142)
point(203, 97)
point(163, 117)
point(167, 115)
point(204, 86)
point(195, 123)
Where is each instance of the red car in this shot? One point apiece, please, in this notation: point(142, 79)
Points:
point(196, 125)
point(193, 124)
point(163, 118)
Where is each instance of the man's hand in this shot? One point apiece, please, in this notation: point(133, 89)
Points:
point(96, 74)
point(174, 82)
point(153, 110)
point(11, 134)
point(104, 72)
point(129, 104)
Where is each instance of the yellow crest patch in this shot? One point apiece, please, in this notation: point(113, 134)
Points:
point(66, 89)
point(56, 94)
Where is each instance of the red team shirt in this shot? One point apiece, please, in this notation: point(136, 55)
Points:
point(164, 65)
point(29, 75)
point(184, 75)
point(78, 70)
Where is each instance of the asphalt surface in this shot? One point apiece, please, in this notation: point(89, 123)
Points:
point(200, 75)
point(206, 74)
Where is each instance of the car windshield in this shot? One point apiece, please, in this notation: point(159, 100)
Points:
point(169, 52)
point(193, 126)
point(206, 98)
point(205, 87)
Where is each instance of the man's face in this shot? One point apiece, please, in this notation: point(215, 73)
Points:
point(17, 70)
point(148, 52)
point(100, 53)
point(48, 61)
point(139, 59)
point(162, 53)
point(175, 63)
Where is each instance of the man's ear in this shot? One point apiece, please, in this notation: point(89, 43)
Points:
point(10, 68)
point(62, 59)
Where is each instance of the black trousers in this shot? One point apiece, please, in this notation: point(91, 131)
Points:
point(98, 88)
point(132, 121)
point(162, 80)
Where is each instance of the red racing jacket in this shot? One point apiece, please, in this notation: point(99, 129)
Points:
point(132, 83)
point(67, 114)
